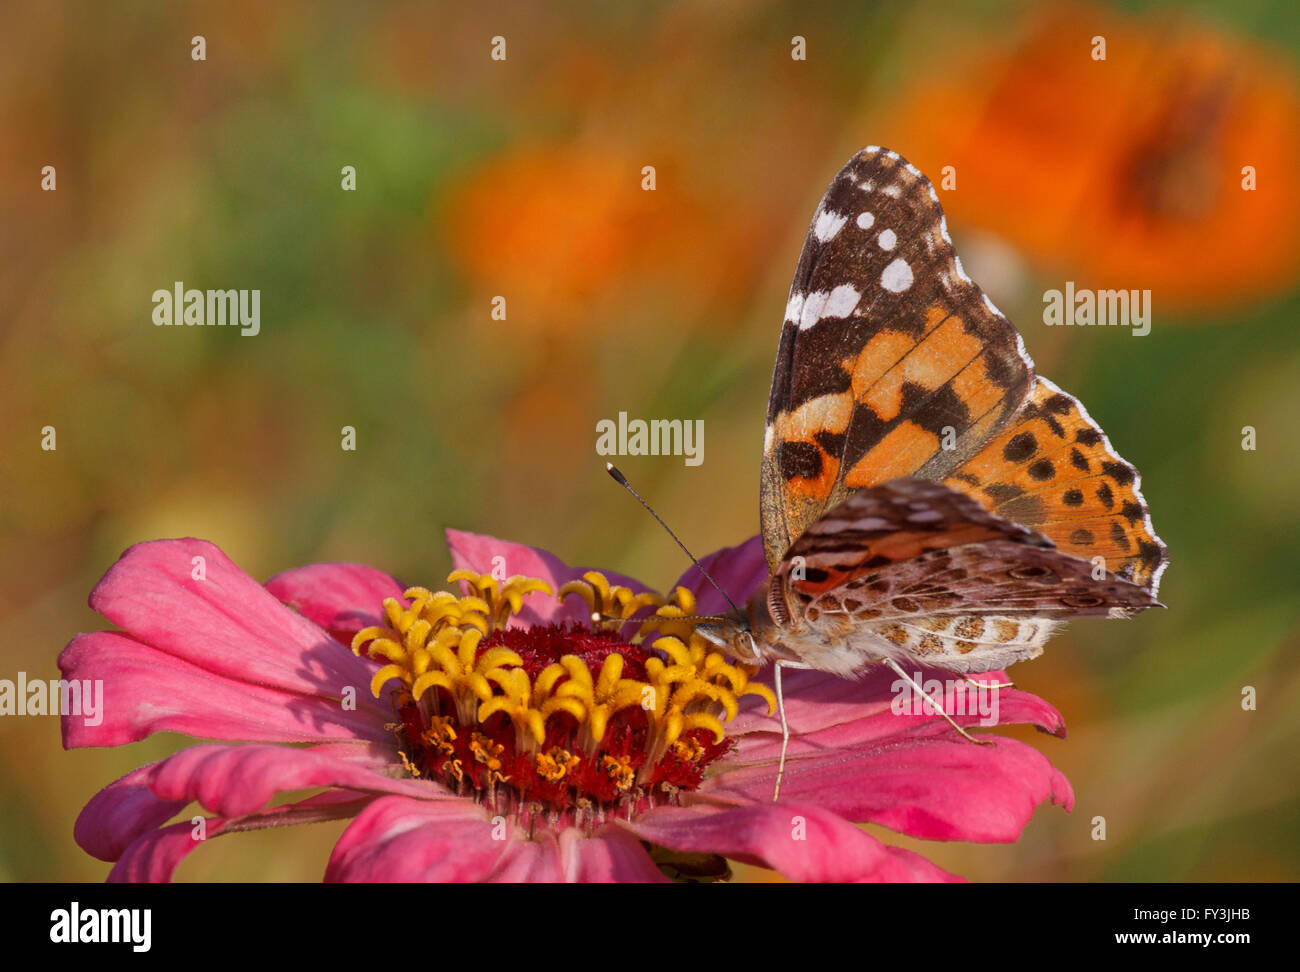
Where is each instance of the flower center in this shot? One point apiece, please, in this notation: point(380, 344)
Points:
point(567, 720)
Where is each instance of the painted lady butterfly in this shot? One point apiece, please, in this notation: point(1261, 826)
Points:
point(926, 497)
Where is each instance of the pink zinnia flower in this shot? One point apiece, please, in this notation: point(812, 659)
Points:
point(511, 734)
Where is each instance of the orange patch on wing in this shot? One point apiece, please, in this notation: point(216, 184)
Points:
point(829, 413)
point(879, 355)
point(976, 389)
point(940, 355)
point(1081, 510)
point(814, 490)
point(900, 453)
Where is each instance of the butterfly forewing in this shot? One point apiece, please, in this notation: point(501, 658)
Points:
point(891, 362)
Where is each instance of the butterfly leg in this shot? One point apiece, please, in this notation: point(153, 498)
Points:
point(988, 685)
point(785, 729)
point(934, 702)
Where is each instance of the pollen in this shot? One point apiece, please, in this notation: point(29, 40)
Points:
point(579, 721)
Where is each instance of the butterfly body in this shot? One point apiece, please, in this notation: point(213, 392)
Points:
point(926, 497)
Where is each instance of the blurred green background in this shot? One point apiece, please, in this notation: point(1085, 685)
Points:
point(522, 178)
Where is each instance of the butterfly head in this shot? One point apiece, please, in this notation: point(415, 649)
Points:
point(733, 634)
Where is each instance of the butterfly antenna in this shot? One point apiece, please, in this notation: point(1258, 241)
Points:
point(622, 481)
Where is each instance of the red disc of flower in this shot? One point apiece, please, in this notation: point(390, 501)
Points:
point(566, 721)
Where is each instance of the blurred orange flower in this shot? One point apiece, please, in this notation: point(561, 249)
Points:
point(550, 224)
point(566, 230)
point(1127, 171)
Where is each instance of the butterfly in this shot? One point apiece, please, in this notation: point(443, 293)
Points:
point(925, 496)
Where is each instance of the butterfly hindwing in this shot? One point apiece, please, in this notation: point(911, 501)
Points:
point(911, 567)
point(892, 362)
point(1052, 469)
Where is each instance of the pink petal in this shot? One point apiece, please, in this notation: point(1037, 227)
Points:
point(938, 787)
point(872, 721)
point(803, 842)
point(816, 701)
point(228, 623)
point(739, 570)
point(609, 855)
point(478, 552)
point(147, 691)
point(529, 862)
point(120, 813)
point(233, 781)
point(155, 856)
point(341, 598)
point(612, 855)
point(397, 838)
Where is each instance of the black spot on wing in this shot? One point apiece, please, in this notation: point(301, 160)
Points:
point(1121, 472)
point(1058, 404)
point(1020, 447)
point(934, 411)
point(1001, 492)
point(1042, 470)
point(832, 442)
point(801, 460)
point(1118, 535)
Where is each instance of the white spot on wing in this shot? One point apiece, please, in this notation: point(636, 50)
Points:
point(896, 277)
point(794, 308)
point(828, 224)
point(841, 301)
point(865, 220)
point(821, 304)
point(887, 240)
point(812, 309)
